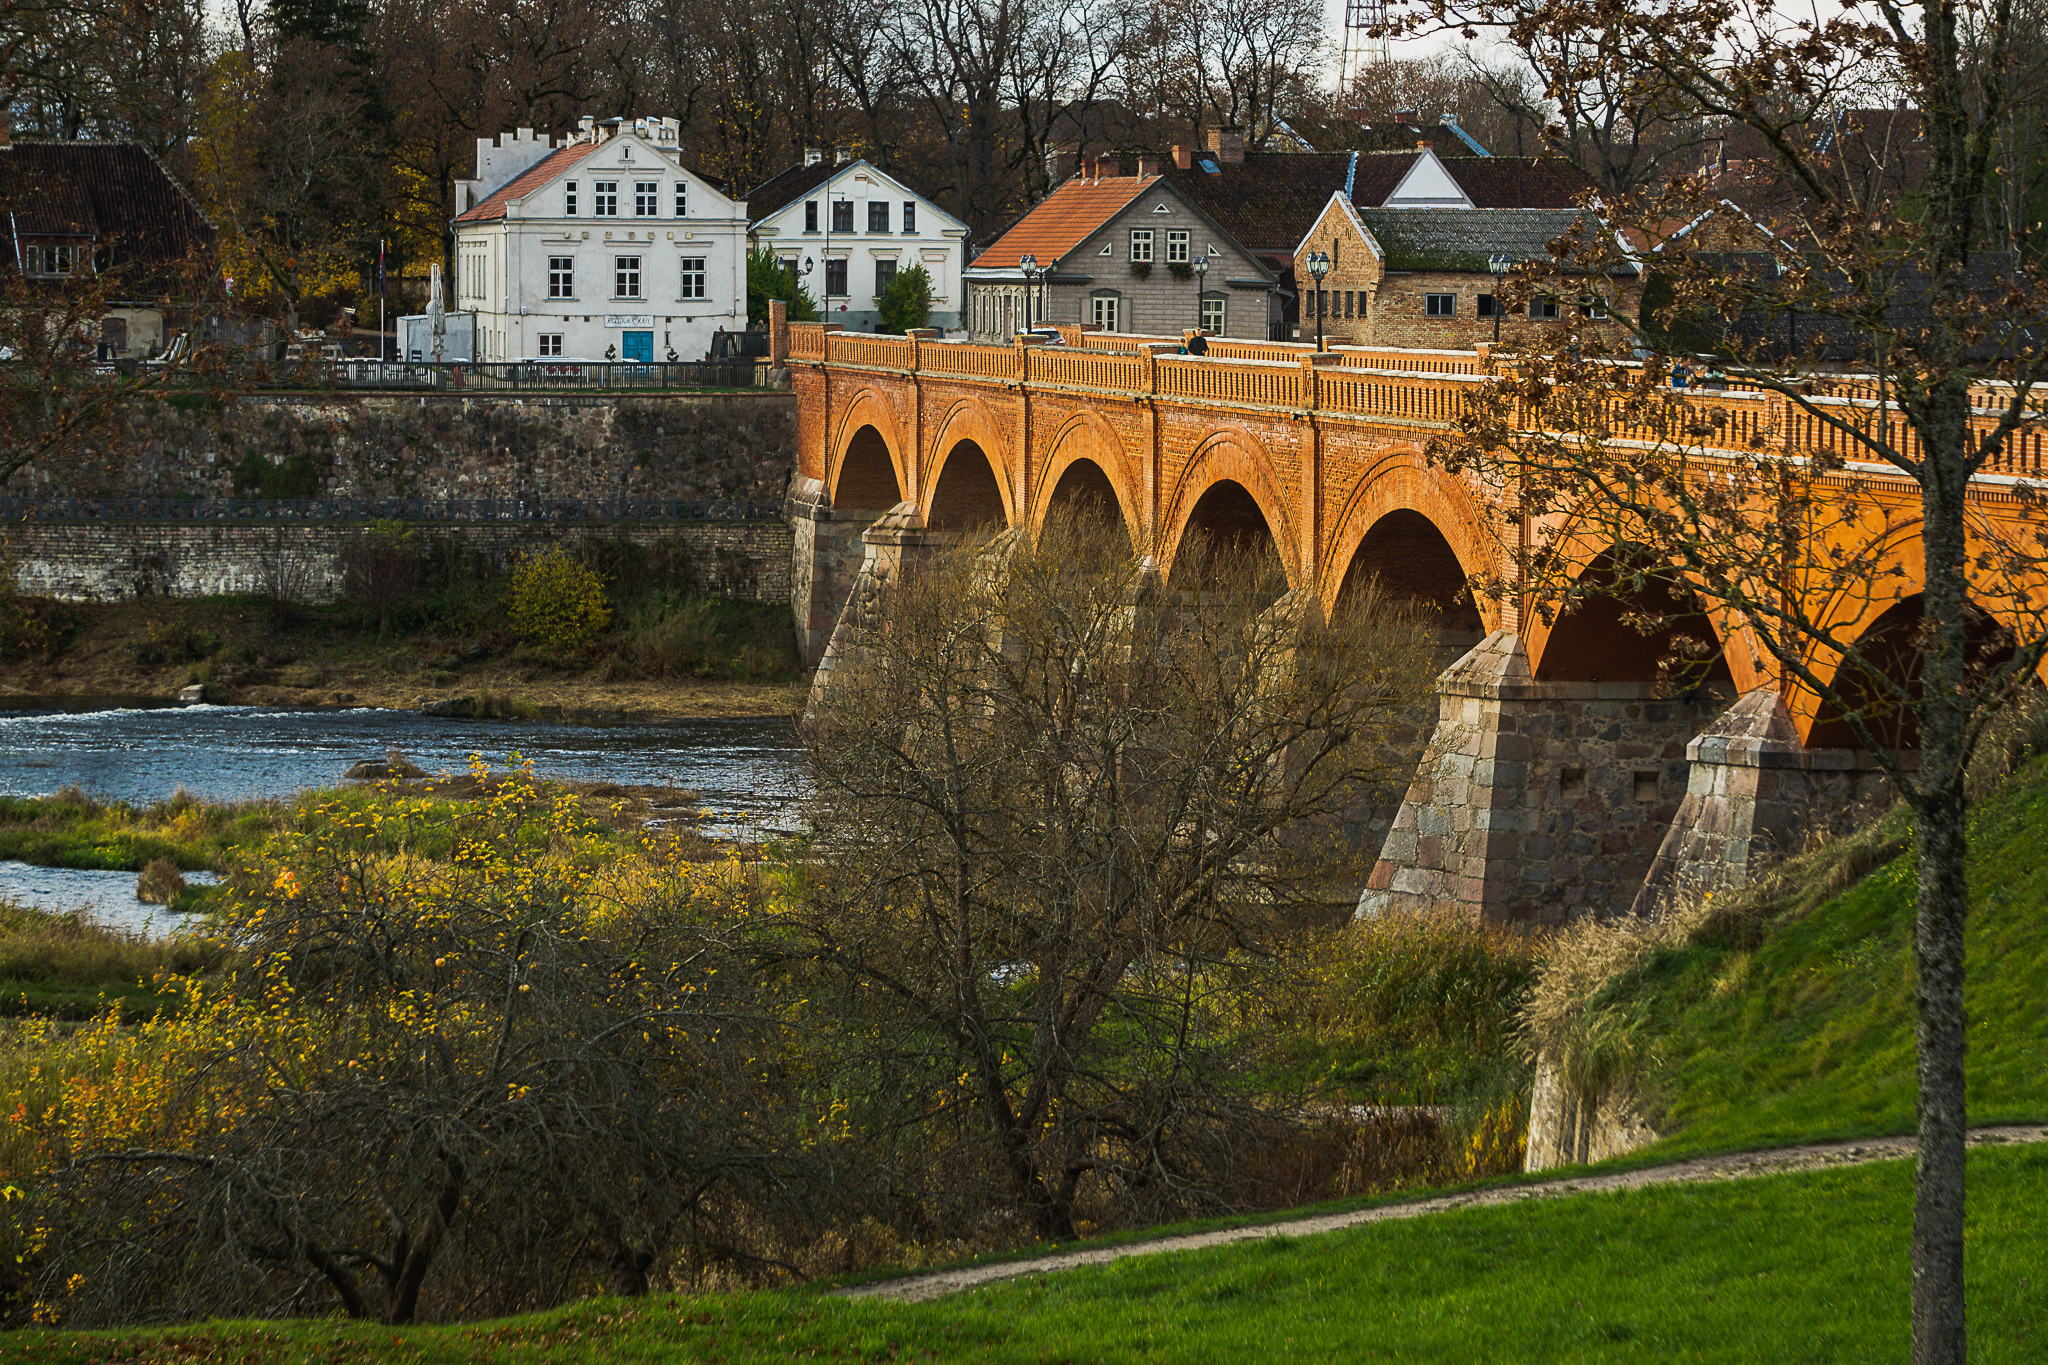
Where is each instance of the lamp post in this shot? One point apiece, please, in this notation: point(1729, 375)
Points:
point(1499, 264)
point(1318, 267)
point(1029, 265)
point(1201, 273)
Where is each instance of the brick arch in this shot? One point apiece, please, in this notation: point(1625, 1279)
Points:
point(1233, 456)
point(1402, 482)
point(967, 422)
point(868, 409)
point(1086, 436)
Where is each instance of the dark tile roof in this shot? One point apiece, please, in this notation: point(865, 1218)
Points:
point(115, 192)
point(1269, 201)
point(1462, 239)
point(1517, 182)
point(492, 207)
point(780, 191)
point(1341, 134)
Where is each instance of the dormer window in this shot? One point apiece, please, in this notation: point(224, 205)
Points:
point(50, 260)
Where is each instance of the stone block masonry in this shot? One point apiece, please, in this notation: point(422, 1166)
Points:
point(580, 446)
point(107, 561)
point(1536, 801)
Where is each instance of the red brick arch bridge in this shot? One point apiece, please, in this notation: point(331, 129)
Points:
point(1556, 782)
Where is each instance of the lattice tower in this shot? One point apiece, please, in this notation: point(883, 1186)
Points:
point(1362, 46)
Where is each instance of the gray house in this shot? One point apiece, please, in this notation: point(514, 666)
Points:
point(1126, 253)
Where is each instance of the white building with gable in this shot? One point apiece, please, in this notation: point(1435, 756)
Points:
point(602, 245)
point(846, 228)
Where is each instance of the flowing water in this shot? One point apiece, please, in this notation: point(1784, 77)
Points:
point(748, 773)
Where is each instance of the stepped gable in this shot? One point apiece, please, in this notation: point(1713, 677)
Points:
point(114, 192)
point(555, 163)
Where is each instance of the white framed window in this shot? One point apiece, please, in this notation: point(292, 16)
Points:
point(842, 215)
point(550, 343)
point(626, 277)
point(646, 198)
point(910, 215)
point(51, 260)
point(835, 279)
point(604, 196)
point(561, 277)
point(1176, 246)
point(1106, 312)
point(693, 277)
point(1215, 311)
point(810, 215)
point(1440, 305)
point(1542, 308)
point(885, 274)
point(1592, 306)
point(1141, 244)
point(878, 215)
point(682, 196)
point(569, 199)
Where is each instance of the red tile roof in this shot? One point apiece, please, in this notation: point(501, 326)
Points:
point(1062, 221)
point(528, 180)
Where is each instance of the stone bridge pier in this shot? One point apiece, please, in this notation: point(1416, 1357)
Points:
point(1539, 801)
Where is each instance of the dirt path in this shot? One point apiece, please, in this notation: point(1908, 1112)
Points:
point(1736, 1166)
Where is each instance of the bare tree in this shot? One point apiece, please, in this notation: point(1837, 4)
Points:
point(1055, 793)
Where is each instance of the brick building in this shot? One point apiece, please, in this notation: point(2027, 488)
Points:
point(1420, 277)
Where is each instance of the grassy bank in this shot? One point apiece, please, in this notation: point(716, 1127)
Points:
point(1788, 1014)
point(72, 829)
point(62, 966)
point(1799, 1267)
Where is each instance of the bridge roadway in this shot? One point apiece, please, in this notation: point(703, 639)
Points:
point(1557, 783)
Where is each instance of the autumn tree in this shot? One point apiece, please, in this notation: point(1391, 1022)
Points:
point(1903, 358)
point(1056, 794)
point(470, 1058)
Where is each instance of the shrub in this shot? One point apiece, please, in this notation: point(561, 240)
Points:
point(380, 568)
point(160, 882)
point(907, 302)
point(558, 600)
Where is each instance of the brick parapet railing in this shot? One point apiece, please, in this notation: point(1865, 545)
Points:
point(1430, 388)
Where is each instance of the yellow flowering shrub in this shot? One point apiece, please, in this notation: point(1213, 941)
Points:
point(557, 600)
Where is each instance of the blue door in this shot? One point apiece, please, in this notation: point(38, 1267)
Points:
point(637, 346)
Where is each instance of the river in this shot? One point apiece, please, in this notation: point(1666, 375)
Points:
point(749, 773)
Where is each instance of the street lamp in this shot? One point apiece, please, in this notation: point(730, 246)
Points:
point(1029, 265)
point(1201, 271)
point(1319, 266)
point(1499, 264)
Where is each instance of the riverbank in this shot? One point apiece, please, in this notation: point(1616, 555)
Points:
point(244, 651)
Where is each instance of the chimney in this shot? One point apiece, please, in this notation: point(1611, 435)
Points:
point(841, 155)
point(1184, 158)
point(1108, 168)
point(6, 129)
point(586, 128)
point(1227, 146)
point(1407, 116)
point(813, 155)
point(1059, 162)
point(1148, 166)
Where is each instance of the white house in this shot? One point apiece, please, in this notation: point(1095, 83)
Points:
point(601, 246)
point(845, 228)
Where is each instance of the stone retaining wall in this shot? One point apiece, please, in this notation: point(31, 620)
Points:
point(114, 561)
point(585, 446)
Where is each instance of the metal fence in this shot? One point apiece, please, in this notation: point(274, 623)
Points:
point(387, 509)
point(519, 375)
